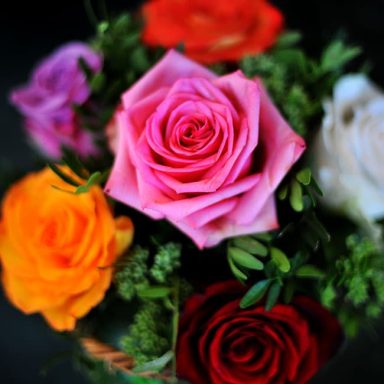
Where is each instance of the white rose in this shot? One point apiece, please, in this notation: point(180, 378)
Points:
point(349, 149)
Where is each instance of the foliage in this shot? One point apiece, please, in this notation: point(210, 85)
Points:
point(133, 274)
point(141, 272)
point(148, 336)
point(125, 60)
point(125, 57)
point(277, 265)
point(281, 274)
point(355, 283)
point(141, 277)
point(301, 189)
point(298, 83)
point(167, 259)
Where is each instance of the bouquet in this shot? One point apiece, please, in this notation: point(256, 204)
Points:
point(210, 206)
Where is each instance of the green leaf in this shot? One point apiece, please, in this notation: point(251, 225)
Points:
point(304, 176)
point(286, 231)
point(81, 189)
point(318, 227)
point(273, 295)
point(245, 259)
point(85, 68)
point(311, 239)
point(328, 295)
point(68, 179)
point(298, 260)
point(154, 292)
point(94, 179)
point(283, 193)
point(316, 187)
point(280, 259)
point(255, 294)
point(74, 163)
point(312, 198)
point(156, 365)
point(263, 236)
point(97, 82)
point(310, 271)
point(103, 27)
point(240, 275)
point(336, 55)
point(296, 196)
point(288, 39)
point(139, 59)
point(289, 291)
point(251, 245)
point(294, 59)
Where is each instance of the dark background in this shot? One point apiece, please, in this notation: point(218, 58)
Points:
point(32, 29)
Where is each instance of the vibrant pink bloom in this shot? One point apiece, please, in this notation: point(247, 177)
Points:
point(202, 151)
point(47, 100)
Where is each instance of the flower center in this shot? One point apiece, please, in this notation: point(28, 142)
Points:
point(194, 134)
point(50, 234)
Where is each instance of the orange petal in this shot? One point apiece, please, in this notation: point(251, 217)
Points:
point(124, 234)
point(82, 304)
point(64, 317)
point(59, 319)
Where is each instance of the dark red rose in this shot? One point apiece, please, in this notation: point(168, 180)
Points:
point(220, 343)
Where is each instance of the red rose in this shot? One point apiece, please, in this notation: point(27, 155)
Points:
point(219, 343)
point(212, 31)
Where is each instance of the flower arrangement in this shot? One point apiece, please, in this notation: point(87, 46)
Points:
point(210, 209)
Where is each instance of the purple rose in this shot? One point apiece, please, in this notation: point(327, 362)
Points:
point(47, 100)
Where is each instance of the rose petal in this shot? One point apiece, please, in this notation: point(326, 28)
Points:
point(160, 74)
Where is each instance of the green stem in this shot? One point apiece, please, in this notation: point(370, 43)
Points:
point(175, 328)
point(91, 13)
point(103, 9)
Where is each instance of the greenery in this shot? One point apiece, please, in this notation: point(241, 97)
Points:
point(150, 339)
point(354, 287)
point(298, 83)
point(299, 257)
point(282, 277)
point(166, 261)
point(148, 336)
point(140, 273)
point(133, 274)
point(125, 60)
point(274, 265)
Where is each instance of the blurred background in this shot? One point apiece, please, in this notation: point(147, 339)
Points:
point(29, 351)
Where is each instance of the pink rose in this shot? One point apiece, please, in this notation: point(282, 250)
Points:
point(46, 102)
point(202, 151)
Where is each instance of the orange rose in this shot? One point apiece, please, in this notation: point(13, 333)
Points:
point(212, 31)
point(57, 249)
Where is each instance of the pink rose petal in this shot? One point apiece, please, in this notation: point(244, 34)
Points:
point(204, 152)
